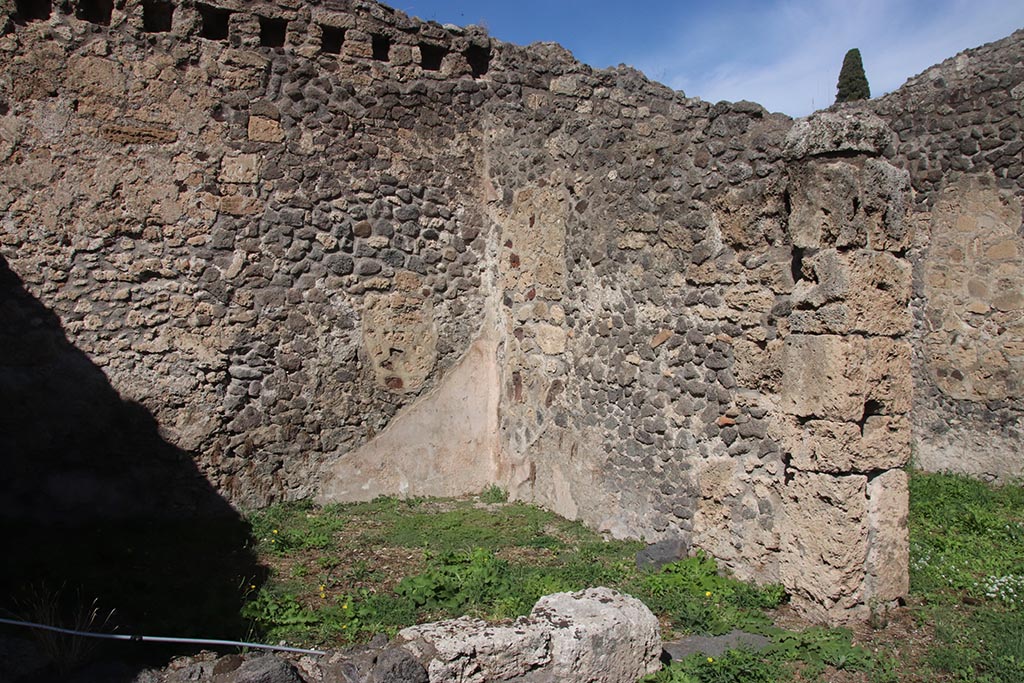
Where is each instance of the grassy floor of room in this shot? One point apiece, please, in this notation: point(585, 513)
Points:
point(336, 575)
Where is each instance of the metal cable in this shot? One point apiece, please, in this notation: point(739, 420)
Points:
point(158, 639)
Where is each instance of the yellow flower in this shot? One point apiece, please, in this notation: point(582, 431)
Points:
point(323, 595)
point(275, 531)
point(344, 625)
point(322, 588)
point(252, 586)
point(707, 594)
point(711, 660)
point(345, 606)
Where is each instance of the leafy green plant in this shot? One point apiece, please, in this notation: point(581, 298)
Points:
point(819, 647)
point(296, 526)
point(278, 611)
point(701, 600)
point(813, 650)
point(967, 561)
point(458, 581)
point(494, 494)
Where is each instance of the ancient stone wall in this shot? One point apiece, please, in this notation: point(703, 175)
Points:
point(960, 133)
point(274, 249)
point(338, 252)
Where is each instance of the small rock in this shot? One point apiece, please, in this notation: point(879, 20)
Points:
point(265, 669)
point(657, 555)
point(713, 646)
point(396, 665)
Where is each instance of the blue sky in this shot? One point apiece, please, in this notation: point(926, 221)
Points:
point(784, 54)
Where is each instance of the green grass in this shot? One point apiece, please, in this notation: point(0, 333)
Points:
point(967, 571)
point(342, 573)
point(494, 559)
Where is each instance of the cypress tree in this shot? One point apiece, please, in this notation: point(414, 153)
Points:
point(853, 84)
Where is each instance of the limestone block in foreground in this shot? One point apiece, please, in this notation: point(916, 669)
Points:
point(467, 650)
point(842, 203)
point(862, 291)
point(882, 442)
point(597, 635)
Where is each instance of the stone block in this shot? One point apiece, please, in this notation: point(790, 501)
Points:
point(265, 130)
point(237, 205)
point(825, 200)
point(831, 132)
point(599, 634)
point(882, 442)
point(657, 555)
point(243, 168)
point(358, 45)
point(887, 199)
point(887, 375)
point(402, 55)
point(570, 84)
point(888, 557)
point(863, 291)
point(824, 545)
point(850, 204)
point(831, 377)
point(466, 650)
point(400, 338)
point(550, 338)
point(822, 377)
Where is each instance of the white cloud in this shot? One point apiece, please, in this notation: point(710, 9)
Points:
point(786, 55)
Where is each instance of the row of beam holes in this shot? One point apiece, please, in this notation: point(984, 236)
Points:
point(156, 14)
point(95, 11)
point(215, 20)
point(332, 40)
point(431, 56)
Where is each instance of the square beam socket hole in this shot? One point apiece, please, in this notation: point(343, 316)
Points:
point(157, 16)
point(214, 22)
point(95, 11)
point(32, 10)
point(332, 39)
point(273, 32)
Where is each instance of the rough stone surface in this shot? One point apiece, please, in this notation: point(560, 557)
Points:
point(841, 130)
point(467, 650)
point(599, 634)
point(443, 445)
point(596, 635)
point(825, 571)
point(256, 273)
point(265, 669)
point(888, 577)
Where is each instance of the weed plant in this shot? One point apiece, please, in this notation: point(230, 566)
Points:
point(42, 604)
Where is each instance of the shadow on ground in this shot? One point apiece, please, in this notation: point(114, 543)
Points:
point(96, 509)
